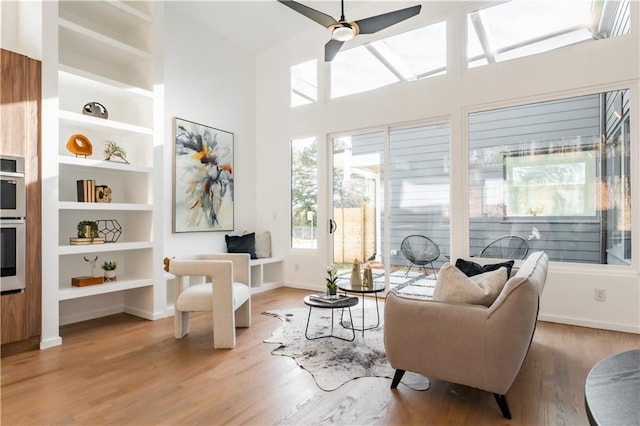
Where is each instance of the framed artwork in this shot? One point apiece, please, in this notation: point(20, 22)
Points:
point(202, 178)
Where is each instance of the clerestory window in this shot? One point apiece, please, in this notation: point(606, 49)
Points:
point(304, 83)
point(523, 27)
point(413, 55)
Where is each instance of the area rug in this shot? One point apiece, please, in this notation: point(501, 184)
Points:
point(333, 362)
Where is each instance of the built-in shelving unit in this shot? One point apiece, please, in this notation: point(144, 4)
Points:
point(105, 55)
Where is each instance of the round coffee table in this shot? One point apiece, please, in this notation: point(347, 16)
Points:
point(346, 302)
point(348, 288)
point(612, 390)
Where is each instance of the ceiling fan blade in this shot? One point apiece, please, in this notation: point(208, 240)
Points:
point(380, 22)
point(316, 16)
point(331, 49)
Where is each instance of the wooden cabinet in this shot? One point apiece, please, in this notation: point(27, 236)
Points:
point(20, 106)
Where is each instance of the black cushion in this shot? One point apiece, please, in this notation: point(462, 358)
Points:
point(472, 268)
point(242, 244)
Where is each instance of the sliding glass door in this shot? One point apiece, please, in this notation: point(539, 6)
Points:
point(401, 171)
point(358, 200)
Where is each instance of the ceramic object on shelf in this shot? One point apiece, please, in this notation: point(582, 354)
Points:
point(95, 109)
point(80, 145)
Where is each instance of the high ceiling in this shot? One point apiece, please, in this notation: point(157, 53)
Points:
point(259, 24)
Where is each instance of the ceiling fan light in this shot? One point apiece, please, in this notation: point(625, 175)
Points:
point(343, 33)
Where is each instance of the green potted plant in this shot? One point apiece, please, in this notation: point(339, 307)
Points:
point(109, 270)
point(332, 278)
point(87, 229)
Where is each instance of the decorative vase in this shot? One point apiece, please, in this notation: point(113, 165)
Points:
point(110, 276)
point(356, 281)
point(332, 290)
point(367, 276)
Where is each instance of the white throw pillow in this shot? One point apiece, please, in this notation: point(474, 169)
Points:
point(482, 289)
point(263, 244)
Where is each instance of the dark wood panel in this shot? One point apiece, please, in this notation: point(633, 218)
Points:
point(20, 118)
point(14, 325)
point(34, 199)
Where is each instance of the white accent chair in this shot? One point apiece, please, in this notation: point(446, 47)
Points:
point(227, 293)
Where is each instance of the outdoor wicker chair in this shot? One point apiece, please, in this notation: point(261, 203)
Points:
point(507, 247)
point(419, 251)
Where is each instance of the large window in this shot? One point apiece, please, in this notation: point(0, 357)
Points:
point(409, 56)
point(523, 27)
point(304, 193)
point(556, 174)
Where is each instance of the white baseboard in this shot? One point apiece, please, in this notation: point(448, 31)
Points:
point(265, 287)
point(50, 343)
point(138, 313)
point(310, 287)
point(581, 322)
point(87, 315)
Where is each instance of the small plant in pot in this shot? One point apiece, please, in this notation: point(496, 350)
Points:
point(109, 271)
point(87, 229)
point(332, 278)
point(112, 149)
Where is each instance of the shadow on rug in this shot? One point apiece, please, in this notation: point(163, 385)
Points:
point(333, 362)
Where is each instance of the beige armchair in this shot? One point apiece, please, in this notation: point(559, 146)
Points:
point(477, 346)
point(227, 294)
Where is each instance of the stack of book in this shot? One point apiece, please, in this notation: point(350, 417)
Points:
point(86, 190)
point(324, 298)
point(82, 241)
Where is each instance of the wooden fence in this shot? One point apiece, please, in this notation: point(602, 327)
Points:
point(355, 236)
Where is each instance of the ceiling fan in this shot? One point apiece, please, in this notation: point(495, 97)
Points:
point(343, 30)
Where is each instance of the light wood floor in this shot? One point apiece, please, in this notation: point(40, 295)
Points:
point(127, 371)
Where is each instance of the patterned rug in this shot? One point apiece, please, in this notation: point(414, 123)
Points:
point(333, 362)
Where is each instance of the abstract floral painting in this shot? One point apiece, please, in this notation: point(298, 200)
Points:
point(203, 178)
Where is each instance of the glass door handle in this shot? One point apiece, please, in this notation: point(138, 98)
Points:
point(332, 226)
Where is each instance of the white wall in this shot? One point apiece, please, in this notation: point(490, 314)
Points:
point(208, 80)
point(21, 27)
point(580, 69)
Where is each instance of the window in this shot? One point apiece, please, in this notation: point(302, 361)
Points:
point(304, 193)
point(304, 83)
point(556, 174)
point(419, 181)
point(523, 27)
point(413, 55)
point(559, 183)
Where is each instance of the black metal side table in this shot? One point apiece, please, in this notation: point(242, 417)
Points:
point(377, 288)
point(346, 302)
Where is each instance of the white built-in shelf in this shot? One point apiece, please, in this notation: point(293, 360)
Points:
point(115, 14)
point(105, 247)
point(102, 164)
point(72, 205)
point(81, 79)
point(265, 260)
point(100, 46)
point(86, 122)
point(106, 55)
point(68, 293)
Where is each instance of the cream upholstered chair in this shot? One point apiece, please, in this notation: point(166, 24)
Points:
point(473, 345)
point(227, 293)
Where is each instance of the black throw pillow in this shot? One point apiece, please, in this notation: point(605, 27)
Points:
point(472, 268)
point(242, 244)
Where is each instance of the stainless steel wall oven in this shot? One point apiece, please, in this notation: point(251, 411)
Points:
point(12, 224)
